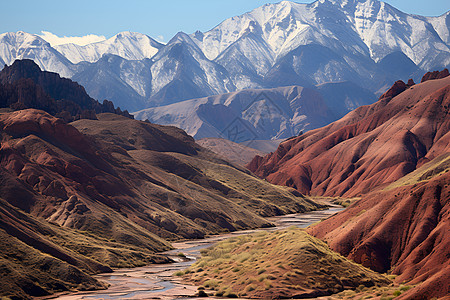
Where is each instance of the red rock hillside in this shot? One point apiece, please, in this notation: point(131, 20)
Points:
point(370, 147)
point(404, 228)
point(395, 154)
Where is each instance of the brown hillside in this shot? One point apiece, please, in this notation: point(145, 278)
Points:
point(143, 172)
point(404, 228)
point(370, 147)
point(234, 152)
point(103, 193)
point(394, 154)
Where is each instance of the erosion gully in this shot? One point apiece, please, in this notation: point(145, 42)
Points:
point(158, 282)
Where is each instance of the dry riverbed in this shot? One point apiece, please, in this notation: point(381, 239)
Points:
point(159, 282)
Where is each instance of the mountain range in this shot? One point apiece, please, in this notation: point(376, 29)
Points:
point(261, 114)
point(367, 43)
point(98, 193)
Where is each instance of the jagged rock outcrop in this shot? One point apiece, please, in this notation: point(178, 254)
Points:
point(23, 85)
point(435, 75)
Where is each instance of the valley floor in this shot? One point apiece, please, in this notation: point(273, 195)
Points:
point(161, 282)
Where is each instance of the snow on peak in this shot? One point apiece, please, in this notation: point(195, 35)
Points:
point(54, 40)
point(362, 27)
point(22, 39)
point(128, 45)
point(22, 45)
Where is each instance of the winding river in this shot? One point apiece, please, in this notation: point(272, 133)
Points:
point(158, 281)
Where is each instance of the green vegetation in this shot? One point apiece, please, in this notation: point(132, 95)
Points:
point(38, 258)
point(284, 263)
point(345, 202)
point(384, 292)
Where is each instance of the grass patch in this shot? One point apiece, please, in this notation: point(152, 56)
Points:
point(293, 262)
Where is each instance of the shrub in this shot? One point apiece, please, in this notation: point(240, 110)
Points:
point(405, 288)
point(262, 278)
point(249, 288)
point(230, 295)
point(211, 283)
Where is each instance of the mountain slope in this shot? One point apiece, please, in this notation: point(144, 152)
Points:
point(286, 264)
point(394, 155)
point(24, 85)
point(370, 147)
point(181, 71)
point(128, 45)
point(32, 265)
point(403, 228)
point(131, 80)
point(22, 45)
point(343, 97)
point(234, 152)
point(276, 113)
point(114, 179)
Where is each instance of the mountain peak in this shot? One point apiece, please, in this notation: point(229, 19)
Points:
point(126, 44)
point(130, 34)
point(180, 36)
point(286, 3)
point(21, 38)
point(346, 3)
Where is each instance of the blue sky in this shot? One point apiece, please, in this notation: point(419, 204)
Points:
point(158, 19)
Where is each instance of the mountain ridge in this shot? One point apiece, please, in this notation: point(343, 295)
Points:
point(276, 113)
point(128, 45)
point(405, 118)
point(24, 85)
point(274, 45)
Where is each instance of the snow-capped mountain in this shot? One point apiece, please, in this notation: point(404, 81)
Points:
point(181, 71)
point(367, 43)
point(129, 45)
point(324, 41)
point(20, 45)
point(125, 82)
point(367, 27)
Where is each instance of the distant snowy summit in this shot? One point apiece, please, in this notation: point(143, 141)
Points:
point(129, 45)
point(370, 28)
point(20, 45)
point(368, 43)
